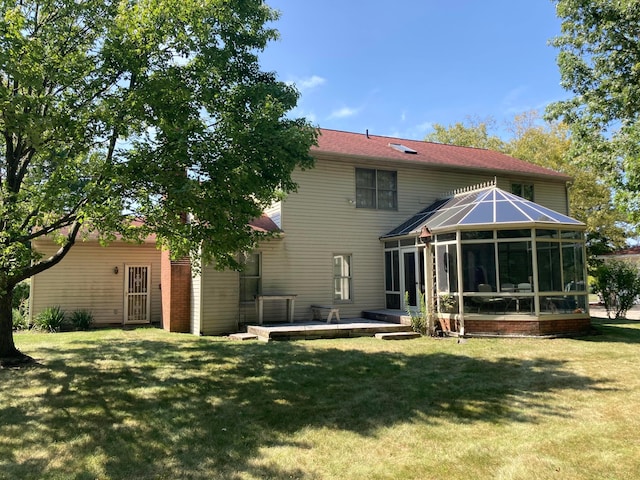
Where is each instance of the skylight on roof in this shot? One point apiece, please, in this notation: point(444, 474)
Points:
point(402, 148)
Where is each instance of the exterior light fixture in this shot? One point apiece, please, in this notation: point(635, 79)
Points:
point(115, 270)
point(425, 235)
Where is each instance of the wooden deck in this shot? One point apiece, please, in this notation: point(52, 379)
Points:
point(353, 327)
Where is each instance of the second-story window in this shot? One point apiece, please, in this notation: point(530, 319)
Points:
point(376, 189)
point(524, 190)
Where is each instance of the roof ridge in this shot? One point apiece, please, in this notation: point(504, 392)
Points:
point(470, 188)
point(391, 137)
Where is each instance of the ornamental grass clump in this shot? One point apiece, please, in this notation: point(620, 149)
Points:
point(81, 319)
point(51, 319)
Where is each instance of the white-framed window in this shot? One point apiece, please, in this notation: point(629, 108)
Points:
point(250, 276)
point(524, 190)
point(342, 280)
point(376, 189)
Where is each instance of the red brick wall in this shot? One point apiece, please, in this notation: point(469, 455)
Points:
point(528, 327)
point(176, 294)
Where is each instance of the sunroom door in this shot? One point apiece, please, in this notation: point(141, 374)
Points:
point(412, 268)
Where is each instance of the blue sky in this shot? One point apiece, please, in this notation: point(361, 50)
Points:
point(398, 67)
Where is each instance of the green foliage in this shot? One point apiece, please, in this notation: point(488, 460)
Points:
point(422, 322)
point(158, 109)
point(598, 61)
point(81, 319)
point(472, 133)
point(618, 284)
point(51, 319)
point(19, 320)
point(21, 295)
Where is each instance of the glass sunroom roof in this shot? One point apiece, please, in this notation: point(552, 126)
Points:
point(485, 206)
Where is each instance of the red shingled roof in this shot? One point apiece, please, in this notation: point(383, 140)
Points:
point(627, 251)
point(428, 153)
point(263, 224)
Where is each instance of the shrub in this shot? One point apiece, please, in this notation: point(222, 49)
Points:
point(618, 284)
point(50, 319)
point(422, 322)
point(21, 295)
point(81, 319)
point(19, 319)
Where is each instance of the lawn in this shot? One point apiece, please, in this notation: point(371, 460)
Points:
point(146, 404)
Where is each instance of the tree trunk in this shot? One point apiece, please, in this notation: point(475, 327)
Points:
point(7, 347)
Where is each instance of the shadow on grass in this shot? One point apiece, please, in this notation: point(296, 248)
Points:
point(155, 409)
point(621, 330)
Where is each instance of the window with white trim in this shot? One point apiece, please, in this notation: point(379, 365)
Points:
point(250, 277)
point(524, 190)
point(342, 281)
point(376, 189)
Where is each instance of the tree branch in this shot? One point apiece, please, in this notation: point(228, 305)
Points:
point(53, 259)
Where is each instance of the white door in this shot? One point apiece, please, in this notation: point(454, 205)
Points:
point(137, 298)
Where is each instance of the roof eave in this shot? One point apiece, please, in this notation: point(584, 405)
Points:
point(327, 155)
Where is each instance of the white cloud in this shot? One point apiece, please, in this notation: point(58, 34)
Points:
point(344, 112)
point(305, 84)
point(298, 112)
point(311, 82)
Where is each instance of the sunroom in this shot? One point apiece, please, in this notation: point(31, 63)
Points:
point(495, 263)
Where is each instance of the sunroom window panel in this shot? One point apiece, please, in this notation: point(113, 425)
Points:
point(446, 268)
point(479, 262)
point(515, 264)
point(549, 267)
point(573, 267)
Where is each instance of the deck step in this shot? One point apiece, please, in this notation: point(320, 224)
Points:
point(347, 328)
point(397, 335)
point(392, 316)
point(243, 336)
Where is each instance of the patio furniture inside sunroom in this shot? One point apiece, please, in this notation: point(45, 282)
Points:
point(498, 264)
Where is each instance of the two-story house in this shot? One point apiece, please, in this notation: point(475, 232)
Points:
point(378, 222)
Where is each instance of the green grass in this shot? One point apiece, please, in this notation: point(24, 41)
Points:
point(146, 404)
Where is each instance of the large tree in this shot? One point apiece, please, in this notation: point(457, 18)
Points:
point(114, 110)
point(548, 144)
point(599, 60)
point(473, 132)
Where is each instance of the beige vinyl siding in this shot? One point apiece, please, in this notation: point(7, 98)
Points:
point(552, 196)
point(321, 220)
point(219, 301)
point(85, 280)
